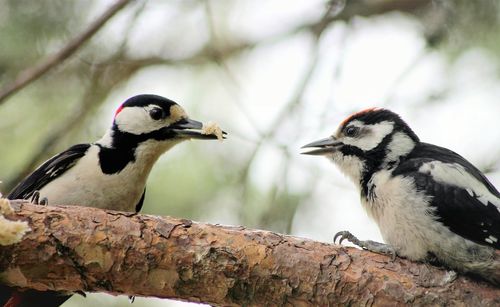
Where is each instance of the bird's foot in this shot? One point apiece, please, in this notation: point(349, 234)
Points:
point(126, 214)
point(450, 276)
point(433, 260)
point(35, 199)
point(372, 246)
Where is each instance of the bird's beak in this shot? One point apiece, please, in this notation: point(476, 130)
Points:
point(192, 129)
point(323, 146)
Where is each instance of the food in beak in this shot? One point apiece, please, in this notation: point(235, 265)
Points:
point(212, 128)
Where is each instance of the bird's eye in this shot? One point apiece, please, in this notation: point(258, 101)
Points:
point(156, 114)
point(351, 131)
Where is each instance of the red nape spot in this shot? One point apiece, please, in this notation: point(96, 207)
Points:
point(119, 110)
point(350, 117)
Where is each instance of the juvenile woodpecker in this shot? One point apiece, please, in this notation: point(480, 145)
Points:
point(428, 201)
point(110, 173)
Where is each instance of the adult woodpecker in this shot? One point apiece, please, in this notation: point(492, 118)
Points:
point(428, 201)
point(110, 173)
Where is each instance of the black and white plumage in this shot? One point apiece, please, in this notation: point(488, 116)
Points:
point(110, 173)
point(48, 171)
point(428, 201)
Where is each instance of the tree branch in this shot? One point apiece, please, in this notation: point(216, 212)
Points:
point(31, 74)
point(79, 248)
point(356, 8)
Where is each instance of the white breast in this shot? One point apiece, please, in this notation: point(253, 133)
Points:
point(406, 221)
point(402, 214)
point(86, 185)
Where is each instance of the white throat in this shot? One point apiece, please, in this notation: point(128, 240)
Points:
point(351, 166)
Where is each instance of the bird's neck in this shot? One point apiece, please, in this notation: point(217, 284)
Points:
point(398, 146)
point(117, 151)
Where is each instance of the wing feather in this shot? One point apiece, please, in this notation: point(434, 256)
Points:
point(48, 171)
point(467, 203)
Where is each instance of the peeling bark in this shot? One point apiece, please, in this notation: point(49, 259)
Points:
point(80, 248)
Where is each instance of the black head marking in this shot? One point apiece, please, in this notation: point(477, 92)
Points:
point(373, 159)
point(125, 140)
point(146, 100)
point(121, 151)
point(377, 115)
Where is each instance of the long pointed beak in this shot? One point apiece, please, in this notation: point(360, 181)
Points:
point(323, 146)
point(192, 129)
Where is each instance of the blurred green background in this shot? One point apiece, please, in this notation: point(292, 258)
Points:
point(275, 75)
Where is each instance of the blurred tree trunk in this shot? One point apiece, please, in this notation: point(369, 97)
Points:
point(79, 248)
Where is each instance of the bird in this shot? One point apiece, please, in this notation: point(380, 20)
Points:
point(110, 173)
point(430, 203)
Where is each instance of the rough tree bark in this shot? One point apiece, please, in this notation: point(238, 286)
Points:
point(79, 248)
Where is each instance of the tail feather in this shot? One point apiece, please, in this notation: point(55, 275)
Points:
point(493, 273)
point(486, 269)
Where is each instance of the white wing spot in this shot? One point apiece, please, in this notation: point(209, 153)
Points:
point(492, 238)
point(455, 174)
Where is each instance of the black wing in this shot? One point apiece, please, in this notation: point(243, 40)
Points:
point(458, 208)
point(48, 171)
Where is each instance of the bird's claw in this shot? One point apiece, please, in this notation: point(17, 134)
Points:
point(346, 235)
point(372, 246)
point(35, 199)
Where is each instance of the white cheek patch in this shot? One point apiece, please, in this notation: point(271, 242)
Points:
point(455, 174)
point(136, 120)
point(400, 145)
point(375, 135)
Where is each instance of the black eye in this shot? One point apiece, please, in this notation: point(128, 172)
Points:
point(156, 114)
point(351, 131)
